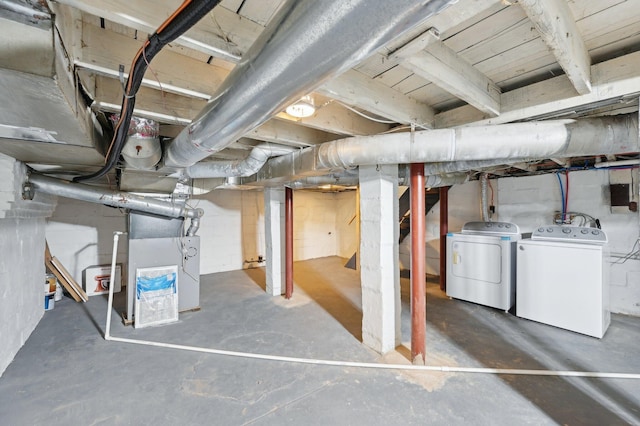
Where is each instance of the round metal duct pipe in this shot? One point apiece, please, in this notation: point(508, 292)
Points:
point(79, 191)
point(295, 54)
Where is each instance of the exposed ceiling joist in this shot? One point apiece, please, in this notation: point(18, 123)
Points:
point(107, 50)
point(334, 118)
point(330, 118)
point(275, 131)
point(525, 167)
point(106, 90)
point(104, 51)
point(563, 162)
point(223, 34)
point(558, 29)
point(287, 133)
point(429, 58)
point(612, 79)
point(356, 89)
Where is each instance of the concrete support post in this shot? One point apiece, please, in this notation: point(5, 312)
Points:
point(379, 271)
point(274, 239)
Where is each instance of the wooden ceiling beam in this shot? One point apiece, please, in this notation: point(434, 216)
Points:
point(222, 34)
point(170, 108)
point(290, 134)
point(103, 51)
point(334, 118)
point(224, 29)
point(356, 89)
point(558, 29)
point(613, 79)
point(429, 58)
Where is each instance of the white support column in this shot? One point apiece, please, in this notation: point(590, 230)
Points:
point(274, 239)
point(379, 271)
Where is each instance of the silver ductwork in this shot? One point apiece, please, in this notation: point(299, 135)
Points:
point(432, 180)
point(342, 178)
point(246, 167)
point(193, 227)
point(463, 166)
point(305, 44)
point(437, 181)
point(142, 150)
point(78, 191)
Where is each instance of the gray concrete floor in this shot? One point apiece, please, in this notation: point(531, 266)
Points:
point(67, 374)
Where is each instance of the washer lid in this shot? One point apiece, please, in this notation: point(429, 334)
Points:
point(574, 234)
point(491, 228)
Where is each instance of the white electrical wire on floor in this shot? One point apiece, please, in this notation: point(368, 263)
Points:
point(372, 365)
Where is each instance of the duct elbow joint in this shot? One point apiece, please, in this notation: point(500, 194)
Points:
point(193, 228)
point(193, 213)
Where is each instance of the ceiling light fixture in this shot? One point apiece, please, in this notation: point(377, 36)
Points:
point(304, 107)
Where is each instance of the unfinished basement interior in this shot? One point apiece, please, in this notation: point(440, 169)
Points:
point(319, 212)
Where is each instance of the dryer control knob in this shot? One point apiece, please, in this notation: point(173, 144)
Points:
point(566, 230)
point(584, 231)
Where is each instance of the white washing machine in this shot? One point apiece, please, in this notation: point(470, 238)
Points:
point(563, 279)
point(481, 263)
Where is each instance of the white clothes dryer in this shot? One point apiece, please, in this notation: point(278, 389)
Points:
point(481, 263)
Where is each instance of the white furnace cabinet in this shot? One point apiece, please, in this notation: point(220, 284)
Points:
point(481, 264)
point(564, 284)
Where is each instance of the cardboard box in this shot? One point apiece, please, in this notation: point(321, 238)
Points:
point(96, 279)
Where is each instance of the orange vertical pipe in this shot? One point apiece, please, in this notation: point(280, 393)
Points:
point(418, 270)
point(288, 236)
point(444, 229)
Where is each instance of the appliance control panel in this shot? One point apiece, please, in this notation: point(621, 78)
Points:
point(501, 228)
point(577, 234)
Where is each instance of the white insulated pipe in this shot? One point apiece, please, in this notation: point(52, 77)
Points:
point(594, 136)
point(443, 150)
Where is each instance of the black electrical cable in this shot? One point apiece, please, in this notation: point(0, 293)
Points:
point(189, 13)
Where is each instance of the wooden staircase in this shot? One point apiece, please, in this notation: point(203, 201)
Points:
point(432, 196)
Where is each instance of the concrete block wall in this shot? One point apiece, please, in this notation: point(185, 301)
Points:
point(22, 271)
point(464, 206)
point(80, 235)
point(347, 223)
point(232, 228)
point(314, 225)
point(221, 230)
point(532, 201)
